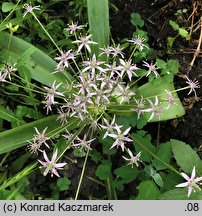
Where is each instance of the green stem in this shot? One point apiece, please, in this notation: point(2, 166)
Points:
point(72, 138)
point(156, 157)
point(82, 174)
point(11, 12)
point(132, 53)
point(46, 31)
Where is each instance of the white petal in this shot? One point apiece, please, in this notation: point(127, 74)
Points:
point(198, 179)
point(193, 173)
point(189, 190)
point(185, 184)
point(126, 131)
point(46, 157)
point(54, 157)
point(185, 176)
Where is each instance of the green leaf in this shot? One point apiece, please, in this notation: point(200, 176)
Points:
point(23, 111)
point(145, 146)
point(136, 20)
point(173, 66)
point(25, 75)
point(174, 25)
point(39, 64)
point(25, 56)
point(153, 173)
point(157, 178)
point(98, 18)
point(147, 191)
point(158, 88)
point(95, 156)
point(160, 64)
point(180, 194)
point(17, 137)
point(186, 157)
point(170, 41)
point(26, 171)
point(63, 184)
point(127, 173)
point(164, 153)
point(184, 33)
point(170, 180)
point(19, 163)
point(103, 171)
point(9, 115)
point(127, 120)
point(7, 6)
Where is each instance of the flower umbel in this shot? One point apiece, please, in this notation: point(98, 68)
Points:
point(51, 165)
point(191, 183)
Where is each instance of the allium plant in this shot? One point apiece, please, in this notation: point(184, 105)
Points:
point(104, 87)
point(103, 81)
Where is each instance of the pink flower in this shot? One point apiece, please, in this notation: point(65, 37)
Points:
point(191, 183)
point(128, 67)
point(109, 127)
point(29, 9)
point(133, 159)
point(64, 58)
point(83, 143)
point(92, 65)
point(84, 42)
point(170, 99)
point(155, 109)
point(138, 42)
point(125, 93)
point(120, 138)
point(51, 165)
point(73, 27)
point(151, 68)
point(193, 85)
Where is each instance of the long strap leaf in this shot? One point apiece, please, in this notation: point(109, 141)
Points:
point(18, 137)
point(98, 18)
point(39, 64)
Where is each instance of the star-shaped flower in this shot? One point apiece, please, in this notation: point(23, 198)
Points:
point(128, 67)
point(191, 183)
point(84, 42)
point(133, 159)
point(120, 138)
point(29, 9)
point(151, 68)
point(193, 84)
point(51, 165)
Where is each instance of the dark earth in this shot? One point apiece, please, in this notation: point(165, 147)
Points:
point(156, 14)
